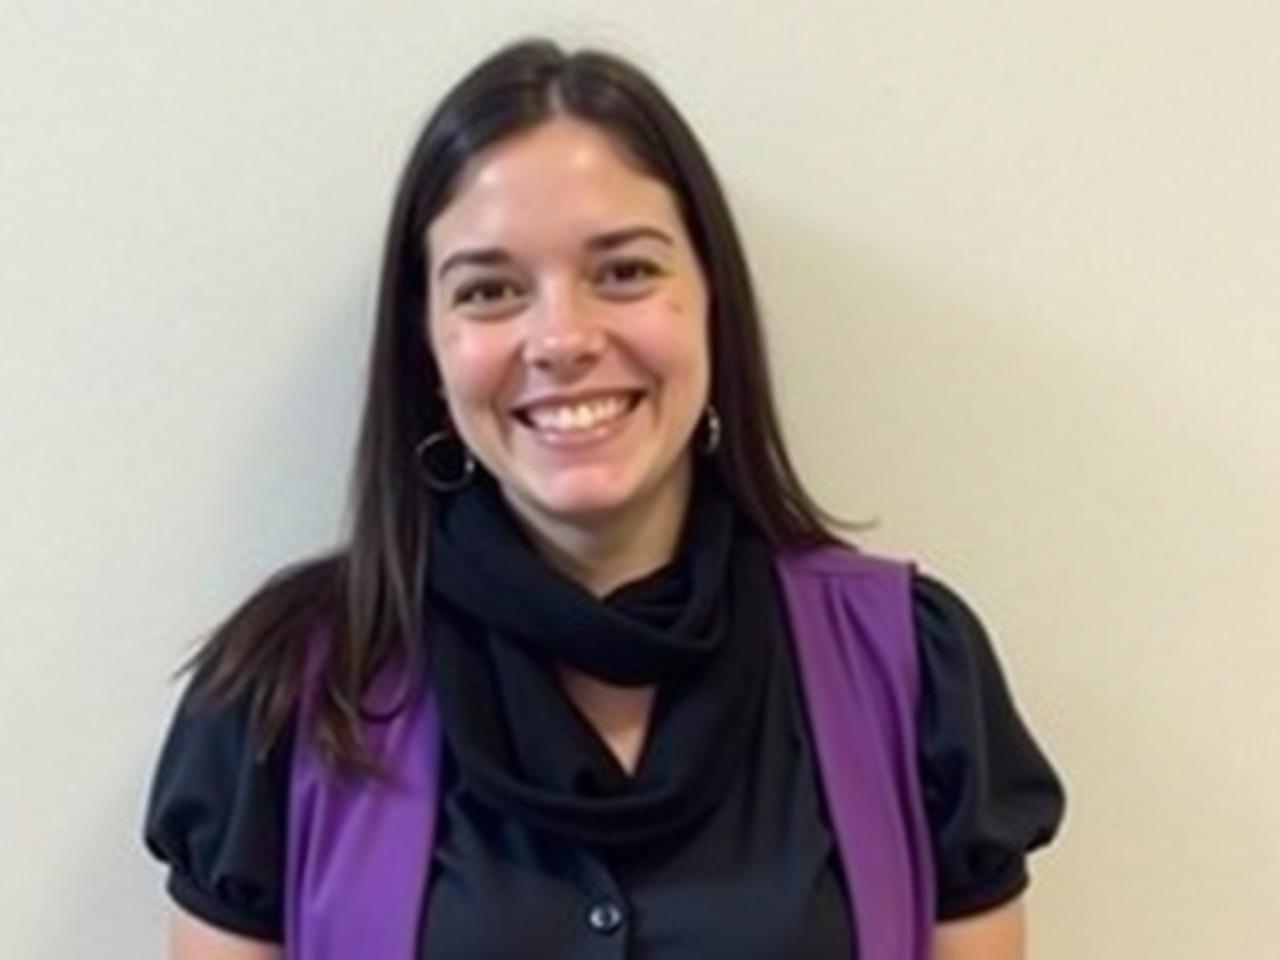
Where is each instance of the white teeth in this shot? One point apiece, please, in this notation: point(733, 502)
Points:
point(578, 416)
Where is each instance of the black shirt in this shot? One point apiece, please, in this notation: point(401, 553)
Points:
point(759, 878)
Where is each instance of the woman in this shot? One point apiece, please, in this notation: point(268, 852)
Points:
point(574, 524)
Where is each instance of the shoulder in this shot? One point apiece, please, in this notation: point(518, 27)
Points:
point(214, 744)
point(960, 663)
point(935, 604)
point(940, 608)
point(990, 794)
point(218, 797)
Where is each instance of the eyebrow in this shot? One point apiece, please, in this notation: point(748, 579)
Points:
point(496, 256)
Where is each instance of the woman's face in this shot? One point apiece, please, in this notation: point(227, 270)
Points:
point(568, 319)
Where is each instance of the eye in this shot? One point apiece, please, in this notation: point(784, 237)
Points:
point(628, 273)
point(485, 292)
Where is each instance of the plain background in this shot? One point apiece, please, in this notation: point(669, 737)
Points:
point(1019, 261)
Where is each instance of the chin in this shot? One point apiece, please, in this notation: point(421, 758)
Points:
point(576, 500)
point(584, 493)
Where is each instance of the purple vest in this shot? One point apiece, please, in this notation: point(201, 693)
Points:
point(359, 852)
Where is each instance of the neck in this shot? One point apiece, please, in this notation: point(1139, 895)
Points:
point(605, 551)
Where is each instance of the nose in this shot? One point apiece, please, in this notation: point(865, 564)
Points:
point(563, 337)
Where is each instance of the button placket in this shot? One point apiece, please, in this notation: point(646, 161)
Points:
point(606, 912)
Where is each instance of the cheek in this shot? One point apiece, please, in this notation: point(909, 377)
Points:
point(675, 340)
point(473, 360)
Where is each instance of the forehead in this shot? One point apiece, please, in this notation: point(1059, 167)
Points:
point(561, 181)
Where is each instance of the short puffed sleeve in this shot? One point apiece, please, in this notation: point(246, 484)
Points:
point(990, 793)
point(216, 816)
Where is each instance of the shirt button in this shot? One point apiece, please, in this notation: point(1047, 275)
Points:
point(604, 917)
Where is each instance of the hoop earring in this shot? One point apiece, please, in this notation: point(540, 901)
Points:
point(428, 448)
point(710, 443)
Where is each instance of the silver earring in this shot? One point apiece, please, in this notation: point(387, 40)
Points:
point(429, 451)
point(710, 442)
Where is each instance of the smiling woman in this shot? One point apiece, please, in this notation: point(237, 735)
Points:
point(569, 325)
point(591, 652)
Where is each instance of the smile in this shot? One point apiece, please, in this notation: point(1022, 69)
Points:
point(579, 417)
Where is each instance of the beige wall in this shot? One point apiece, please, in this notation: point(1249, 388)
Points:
point(1020, 267)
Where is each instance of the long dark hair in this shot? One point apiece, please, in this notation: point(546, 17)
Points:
point(367, 598)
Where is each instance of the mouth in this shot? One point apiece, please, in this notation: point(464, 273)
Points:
point(579, 418)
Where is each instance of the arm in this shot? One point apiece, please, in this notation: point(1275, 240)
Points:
point(192, 939)
point(997, 934)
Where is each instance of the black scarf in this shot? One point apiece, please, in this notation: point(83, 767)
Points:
point(502, 617)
